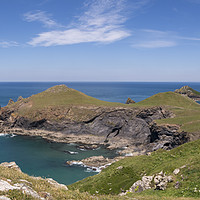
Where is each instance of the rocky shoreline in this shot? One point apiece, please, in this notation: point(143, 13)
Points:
point(25, 186)
point(131, 131)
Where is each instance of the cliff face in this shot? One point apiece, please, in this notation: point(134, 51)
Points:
point(133, 125)
point(75, 115)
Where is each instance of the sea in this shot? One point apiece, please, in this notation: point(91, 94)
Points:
point(38, 157)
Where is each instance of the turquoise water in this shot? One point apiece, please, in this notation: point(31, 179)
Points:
point(38, 157)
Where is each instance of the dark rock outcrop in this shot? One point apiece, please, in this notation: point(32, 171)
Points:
point(167, 136)
point(133, 124)
point(129, 101)
point(188, 91)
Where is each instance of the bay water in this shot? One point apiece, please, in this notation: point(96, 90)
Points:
point(39, 157)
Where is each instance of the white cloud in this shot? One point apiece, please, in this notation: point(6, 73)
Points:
point(155, 44)
point(74, 36)
point(148, 38)
point(101, 22)
point(42, 17)
point(7, 44)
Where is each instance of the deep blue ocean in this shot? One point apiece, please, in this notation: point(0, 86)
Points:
point(107, 91)
point(39, 157)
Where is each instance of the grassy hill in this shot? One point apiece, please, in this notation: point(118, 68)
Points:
point(187, 111)
point(56, 103)
point(113, 179)
point(42, 187)
point(60, 103)
point(61, 95)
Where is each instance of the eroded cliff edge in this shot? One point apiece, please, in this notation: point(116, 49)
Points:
point(131, 128)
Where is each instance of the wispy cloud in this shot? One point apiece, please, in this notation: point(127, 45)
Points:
point(42, 17)
point(188, 38)
point(101, 22)
point(7, 44)
point(155, 44)
point(154, 39)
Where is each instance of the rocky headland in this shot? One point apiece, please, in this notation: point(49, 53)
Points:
point(62, 114)
point(189, 92)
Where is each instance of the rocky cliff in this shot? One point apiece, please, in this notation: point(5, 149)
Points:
point(188, 91)
point(131, 128)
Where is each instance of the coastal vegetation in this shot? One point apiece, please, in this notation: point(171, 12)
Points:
point(121, 175)
point(169, 119)
point(186, 110)
point(56, 102)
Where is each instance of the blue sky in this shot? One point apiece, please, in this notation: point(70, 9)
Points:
point(100, 40)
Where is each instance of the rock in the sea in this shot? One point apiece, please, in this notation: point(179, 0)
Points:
point(188, 91)
point(92, 162)
point(129, 101)
point(11, 165)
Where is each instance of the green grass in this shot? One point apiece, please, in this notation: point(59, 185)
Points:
point(41, 186)
point(169, 99)
point(112, 180)
point(195, 92)
point(56, 102)
point(187, 111)
point(62, 103)
point(61, 95)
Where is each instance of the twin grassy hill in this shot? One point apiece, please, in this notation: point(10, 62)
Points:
point(60, 103)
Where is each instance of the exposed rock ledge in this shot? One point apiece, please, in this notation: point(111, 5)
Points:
point(132, 129)
point(24, 185)
point(95, 163)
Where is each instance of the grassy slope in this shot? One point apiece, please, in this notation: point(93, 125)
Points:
point(187, 115)
point(41, 185)
point(112, 180)
point(186, 110)
point(195, 92)
point(54, 103)
point(61, 95)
